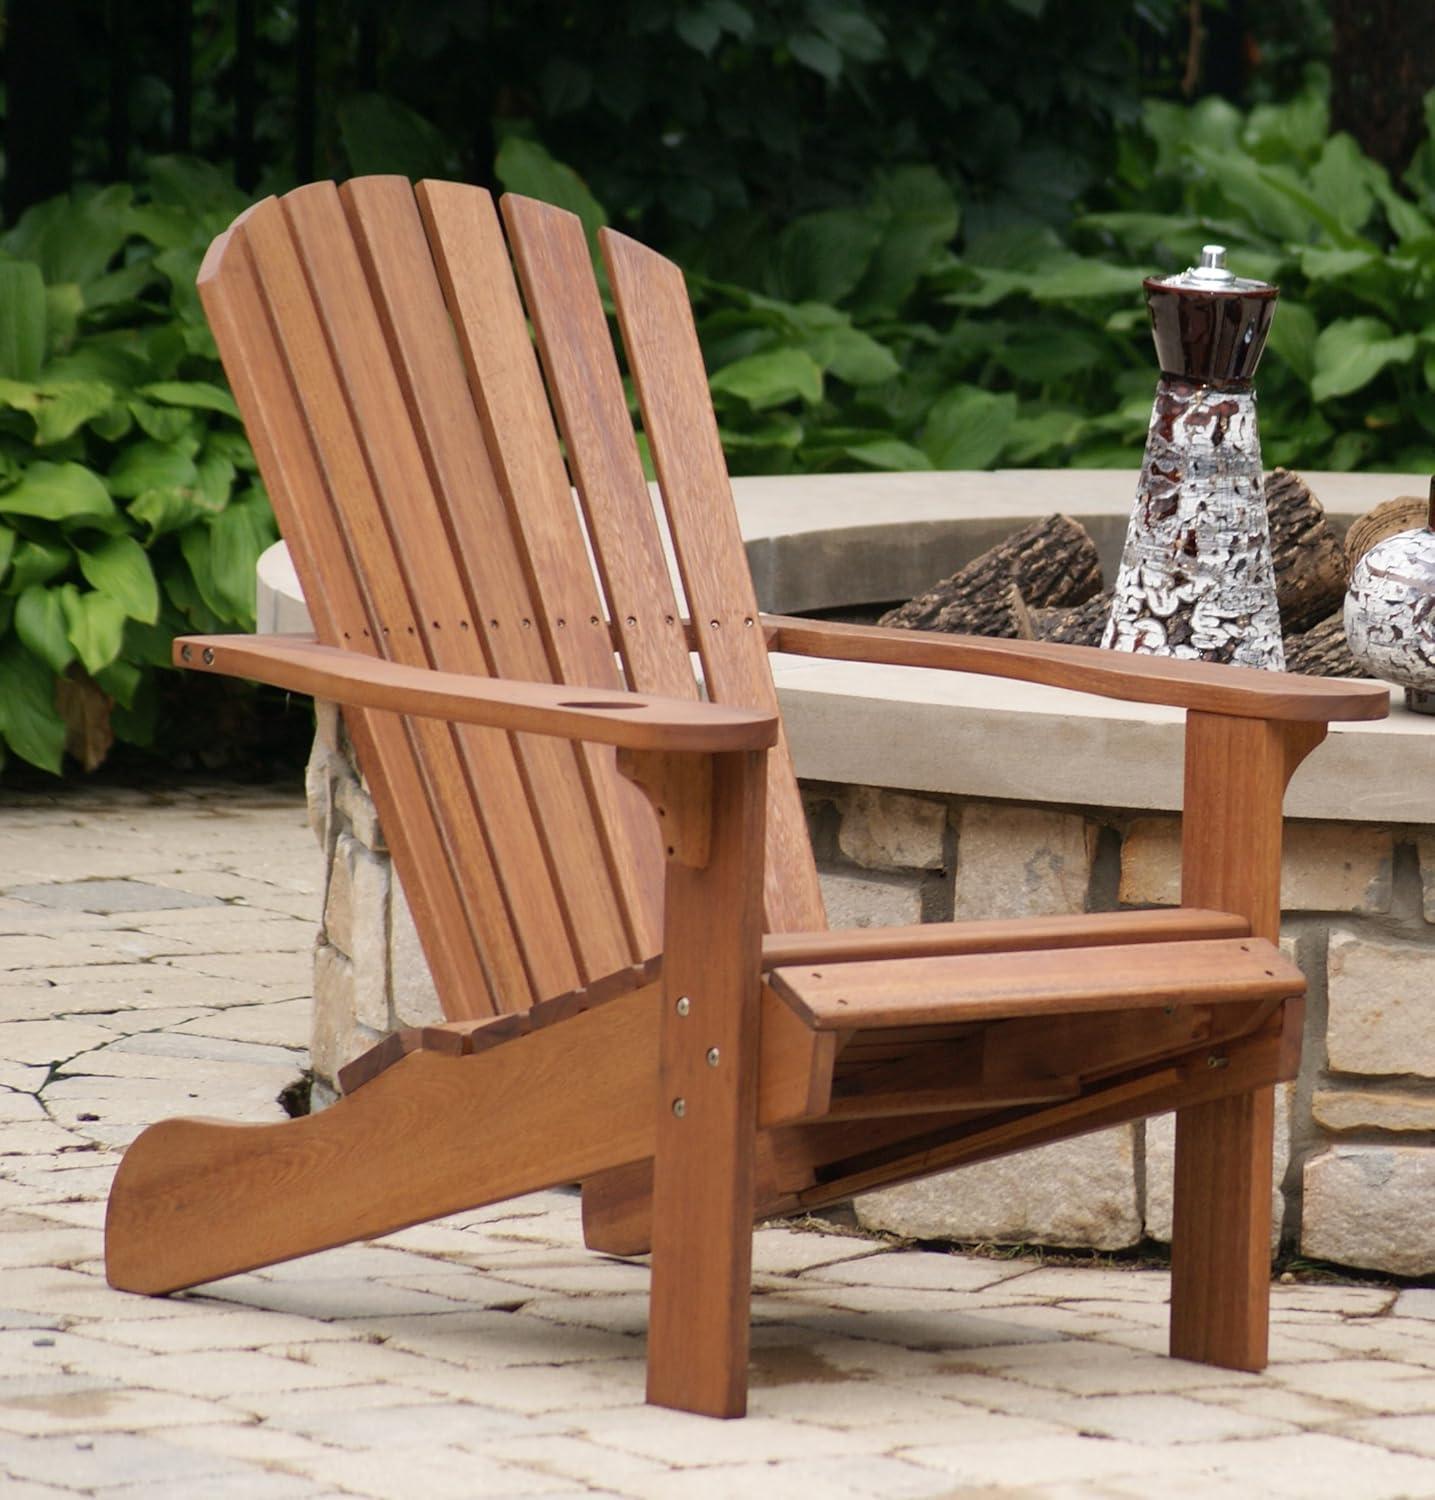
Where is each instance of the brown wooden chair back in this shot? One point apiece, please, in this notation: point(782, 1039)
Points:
point(382, 357)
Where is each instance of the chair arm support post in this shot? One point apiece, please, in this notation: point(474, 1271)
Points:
point(711, 809)
point(1237, 770)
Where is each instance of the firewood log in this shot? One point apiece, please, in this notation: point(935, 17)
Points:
point(1322, 651)
point(1307, 553)
point(1079, 626)
point(1049, 563)
point(1403, 513)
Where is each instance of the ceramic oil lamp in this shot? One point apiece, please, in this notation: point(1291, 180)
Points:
point(1196, 579)
point(1390, 611)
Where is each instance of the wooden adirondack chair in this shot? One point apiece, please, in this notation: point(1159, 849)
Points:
point(616, 1013)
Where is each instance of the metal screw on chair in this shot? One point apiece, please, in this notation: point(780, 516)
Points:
point(713, 1057)
point(680, 1107)
point(1218, 1062)
point(209, 656)
point(683, 1006)
point(185, 653)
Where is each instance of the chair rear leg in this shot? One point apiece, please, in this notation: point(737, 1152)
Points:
point(1221, 1237)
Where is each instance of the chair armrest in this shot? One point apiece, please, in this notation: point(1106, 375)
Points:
point(632, 721)
point(1242, 692)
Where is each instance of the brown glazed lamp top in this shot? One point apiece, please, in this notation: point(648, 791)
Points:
point(1210, 327)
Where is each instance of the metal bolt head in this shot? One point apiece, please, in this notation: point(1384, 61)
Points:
point(209, 656)
point(185, 653)
point(680, 1107)
point(713, 1057)
point(683, 1006)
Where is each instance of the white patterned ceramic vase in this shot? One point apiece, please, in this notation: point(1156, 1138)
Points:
point(1390, 612)
point(1196, 579)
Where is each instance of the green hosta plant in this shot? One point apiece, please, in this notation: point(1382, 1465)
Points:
point(881, 335)
point(130, 510)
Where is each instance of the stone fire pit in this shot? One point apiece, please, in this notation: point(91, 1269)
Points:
point(933, 796)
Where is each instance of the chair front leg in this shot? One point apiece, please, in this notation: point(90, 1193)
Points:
point(711, 812)
point(1236, 775)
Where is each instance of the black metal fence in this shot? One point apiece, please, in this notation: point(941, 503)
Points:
point(91, 85)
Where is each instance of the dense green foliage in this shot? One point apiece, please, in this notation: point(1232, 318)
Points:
point(913, 315)
point(129, 507)
point(891, 335)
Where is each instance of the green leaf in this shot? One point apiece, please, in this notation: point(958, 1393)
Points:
point(150, 465)
point(850, 31)
point(201, 189)
point(168, 508)
point(63, 306)
point(165, 424)
point(1351, 352)
point(113, 423)
point(381, 135)
point(1342, 181)
point(231, 445)
point(122, 286)
point(1336, 265)
point(1042, 436)
point(40, 624)
point(887, 453)
point(7, 547)
point(821, 257)
point(22, 320)
point(1076, 278)
point(817, 53)
point(523, 166)
point(60, 408)
point(922, 216)
point(779, 430)
point(73, 238)
point(120, 568)
point(238, 535)
point(36, 562)
point(95, 624)
point(216, 480)
point(770, 379)
point(853, 356)
point(1292, 337)
point(121, 680)
point(59, 492)
point(200, 394)
point(699, 28)
point(968, 427)
point(29, 724)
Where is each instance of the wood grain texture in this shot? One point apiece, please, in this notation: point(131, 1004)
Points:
point(989, 986)
point(555, 268)
point(394, 251)
point(355, 544)
point(1248, 1063)
point(393, 496)
point(999, 935)
point(507, 391)
point(604, 716)
point(667, 367)
point(1242, 692)
point(194, 1200)
point(426, 851)
point(703, 1162)
point(1237, 771)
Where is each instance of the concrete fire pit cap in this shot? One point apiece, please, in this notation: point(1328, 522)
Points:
point(823, 541)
